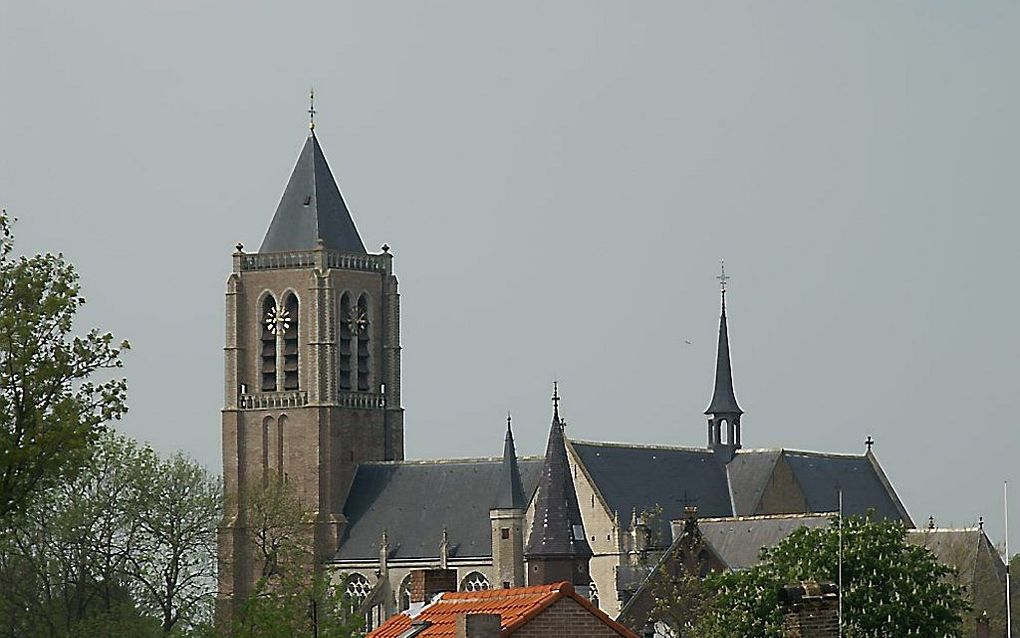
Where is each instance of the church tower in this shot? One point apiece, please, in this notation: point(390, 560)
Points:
point(506, 518)
point(723, 412)
point(312, 365)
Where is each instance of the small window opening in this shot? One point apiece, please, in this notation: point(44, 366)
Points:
point(504, 533)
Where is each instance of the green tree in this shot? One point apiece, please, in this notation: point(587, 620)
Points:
point(51, 409)
point(292, 596)
point(125, 548)
point(890, 588)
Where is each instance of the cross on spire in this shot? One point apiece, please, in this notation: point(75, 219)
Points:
point(311, 110)
point(556, 401)
point(869, 442)
point(723, 278)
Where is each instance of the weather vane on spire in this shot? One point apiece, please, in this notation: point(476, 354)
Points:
point(723, 278)
point(311, 110)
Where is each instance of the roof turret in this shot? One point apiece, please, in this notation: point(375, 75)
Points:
point(723, 399)
point(510, 492)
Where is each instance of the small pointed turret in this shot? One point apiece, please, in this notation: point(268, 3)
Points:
point(510, 492)
point(506, 518)
point(312, 209)
point(723, 412)
point(557, 548)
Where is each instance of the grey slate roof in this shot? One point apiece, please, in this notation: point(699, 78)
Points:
point(557, 513)
point(822, 475)
point(723, 399)
point(748, 474)
point(639, 478)
point(510, 491)
point(415, 500)
point(312, 208)
point(739, 540)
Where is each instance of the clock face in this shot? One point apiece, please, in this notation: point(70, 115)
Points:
point(277, 320)
point(357, 321)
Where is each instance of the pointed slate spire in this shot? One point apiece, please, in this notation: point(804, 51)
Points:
point(557, 531)
point(311, 209)
point(723, 399)
point(510, 492)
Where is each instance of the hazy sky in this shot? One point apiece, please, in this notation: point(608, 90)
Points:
point(558, 181)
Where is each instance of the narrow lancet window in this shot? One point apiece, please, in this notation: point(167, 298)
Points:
point(363, 344)
point(290, 345)
point(269, 325)
point(345, 343)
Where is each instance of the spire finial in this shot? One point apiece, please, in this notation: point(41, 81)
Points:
point(311, 110)
point(508, 420)
point(723, 278)
point(869, 442)
point(556, 401)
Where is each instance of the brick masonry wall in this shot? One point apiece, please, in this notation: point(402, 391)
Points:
point(812, 620)
point(565, 618)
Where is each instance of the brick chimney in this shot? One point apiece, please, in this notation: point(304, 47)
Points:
point(478, 625)
point(426, 583)
point(810, 610)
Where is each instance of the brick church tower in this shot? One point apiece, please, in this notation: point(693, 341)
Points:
point(312, 365)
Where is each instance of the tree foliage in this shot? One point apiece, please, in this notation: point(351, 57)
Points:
point(125, 548)
point(292, 596)
point(890, 588)
point(51, 407)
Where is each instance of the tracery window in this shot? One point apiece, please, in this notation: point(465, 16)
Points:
point(357, 589)
point(290, 344)
point(269, 322)
point(475, 581)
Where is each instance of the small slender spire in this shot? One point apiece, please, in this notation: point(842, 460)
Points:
point(311, 110)
point(556, 401)
point(510, 491)
point(724, 401)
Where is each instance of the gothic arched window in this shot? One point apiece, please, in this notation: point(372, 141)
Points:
point(475, 581)
point(360, 325)
point(269, 322)
point(290, 344)
point(344, 379)
point(404, 594)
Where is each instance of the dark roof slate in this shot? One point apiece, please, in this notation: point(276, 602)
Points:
point(415, 500)
point(748, 474)
point(311, 209)
point(557, 513)
point(639, 478)
point(739, 540)
point(822, 475)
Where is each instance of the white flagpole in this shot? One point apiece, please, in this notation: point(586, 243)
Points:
point(840, 553)
point(1005, 513)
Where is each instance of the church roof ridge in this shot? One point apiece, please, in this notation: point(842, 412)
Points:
point(761, 517)
point(641, 446)
point(472, 459)
point(949, 530)
point(827, 455)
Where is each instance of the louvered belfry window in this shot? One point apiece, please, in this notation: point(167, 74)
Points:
point(344, 379)
point(290, 345)
point(268, 368)
point(363, 344)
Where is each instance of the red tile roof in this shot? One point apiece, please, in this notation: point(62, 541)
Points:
point(516, 606)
